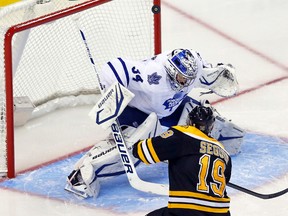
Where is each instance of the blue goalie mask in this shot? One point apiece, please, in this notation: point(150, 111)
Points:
point(182, 69)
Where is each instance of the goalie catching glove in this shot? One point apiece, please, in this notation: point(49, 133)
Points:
point(221, 80)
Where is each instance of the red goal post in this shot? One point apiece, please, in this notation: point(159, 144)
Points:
point(43, 59)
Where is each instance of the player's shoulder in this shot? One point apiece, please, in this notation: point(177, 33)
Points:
point(194, 132)
point(189, 129)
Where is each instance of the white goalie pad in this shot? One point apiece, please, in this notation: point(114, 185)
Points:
point(111, 105)
point(225, 131)
point(78, 186)
point(103, 161)
point(186, 110)
point(229, 134)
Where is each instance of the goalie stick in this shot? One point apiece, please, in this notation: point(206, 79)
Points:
point(259, 195)
point(133, 178)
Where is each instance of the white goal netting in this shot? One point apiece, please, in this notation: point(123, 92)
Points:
point(43, 58)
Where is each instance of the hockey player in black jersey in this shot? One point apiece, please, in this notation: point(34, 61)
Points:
point(199, 166)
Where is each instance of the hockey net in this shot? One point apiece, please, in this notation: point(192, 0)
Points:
point(44, 65)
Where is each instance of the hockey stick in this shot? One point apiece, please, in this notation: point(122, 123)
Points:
point(133, 178)
point(259, 195)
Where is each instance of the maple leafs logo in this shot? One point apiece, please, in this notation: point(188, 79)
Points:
point(172, 102)
point(154, 78)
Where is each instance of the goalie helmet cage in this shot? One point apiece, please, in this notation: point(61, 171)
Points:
point(43, 60)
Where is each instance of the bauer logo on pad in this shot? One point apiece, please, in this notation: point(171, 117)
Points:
point(111, 105)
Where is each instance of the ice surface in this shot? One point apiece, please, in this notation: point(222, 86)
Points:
point(252, 35)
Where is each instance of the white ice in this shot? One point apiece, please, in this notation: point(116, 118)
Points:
point(250, 34)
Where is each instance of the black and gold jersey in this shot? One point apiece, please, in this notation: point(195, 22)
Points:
point(199, 168)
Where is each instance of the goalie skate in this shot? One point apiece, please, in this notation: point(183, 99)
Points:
point(78, 193)
point(70, 188)
point(77, 186)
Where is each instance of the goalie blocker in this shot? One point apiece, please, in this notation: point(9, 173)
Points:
point(111, 105)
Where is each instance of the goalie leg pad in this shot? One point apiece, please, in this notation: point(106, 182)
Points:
point(149, 128)
point(103, 159)
point(100, 159)
point(183, 118)
point(229, 134)
point(188, 108)
point(225, 131)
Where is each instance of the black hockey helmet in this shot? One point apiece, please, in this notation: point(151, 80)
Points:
point(202, 118)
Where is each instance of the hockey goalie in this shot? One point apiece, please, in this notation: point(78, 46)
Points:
point(145, 98)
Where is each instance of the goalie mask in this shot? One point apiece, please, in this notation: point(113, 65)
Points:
point(181, 68)
point(202, 118)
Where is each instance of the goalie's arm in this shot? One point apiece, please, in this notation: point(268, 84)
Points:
point(115, 70)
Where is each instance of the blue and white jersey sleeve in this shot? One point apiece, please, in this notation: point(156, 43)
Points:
point(112, 71)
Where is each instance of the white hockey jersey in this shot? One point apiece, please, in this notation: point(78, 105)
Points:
point(149, 81)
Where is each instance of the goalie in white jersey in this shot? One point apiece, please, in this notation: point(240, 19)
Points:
point(162, 83)
point(161, 86)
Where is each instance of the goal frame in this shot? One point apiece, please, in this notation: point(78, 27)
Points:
point(8, 64)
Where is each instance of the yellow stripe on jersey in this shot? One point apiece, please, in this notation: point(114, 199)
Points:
point(140, 153)
point(152, 151)
point(7, 2)
point(198, 201)
point(197, 195)
point(198, 207)
point(195, 132)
